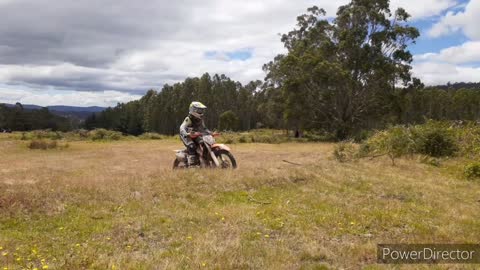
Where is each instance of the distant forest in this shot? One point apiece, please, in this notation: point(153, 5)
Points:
point(17, 118)
point(257, 106)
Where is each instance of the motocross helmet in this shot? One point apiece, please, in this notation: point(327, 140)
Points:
point(197, 109)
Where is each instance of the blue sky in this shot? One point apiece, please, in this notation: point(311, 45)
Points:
point(428, 44)
point(92, 52)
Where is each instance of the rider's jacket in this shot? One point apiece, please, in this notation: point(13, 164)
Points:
point(192, 124)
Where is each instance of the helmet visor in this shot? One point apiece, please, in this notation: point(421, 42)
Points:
point(200, 111)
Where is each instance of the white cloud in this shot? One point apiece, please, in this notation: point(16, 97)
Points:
point(424, 8)
point(466, 21)
point(62, 97)
point(453, 64)
point(468, 52)
point(436, 73)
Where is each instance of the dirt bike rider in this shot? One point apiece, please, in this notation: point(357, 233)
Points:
point(193, 123)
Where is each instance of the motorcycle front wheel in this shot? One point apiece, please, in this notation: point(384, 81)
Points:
point(226, 159)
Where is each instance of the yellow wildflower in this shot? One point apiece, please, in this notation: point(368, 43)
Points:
point(189, 237)
point(267, 236)
point(45, 267)
point(5, 253)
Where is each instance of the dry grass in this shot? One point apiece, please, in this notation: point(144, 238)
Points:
point(118, 205)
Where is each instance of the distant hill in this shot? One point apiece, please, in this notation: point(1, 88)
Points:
point(66, 111)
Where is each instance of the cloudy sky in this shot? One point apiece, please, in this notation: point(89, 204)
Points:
point(101, 52)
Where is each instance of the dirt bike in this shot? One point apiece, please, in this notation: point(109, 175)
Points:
point(209, 153)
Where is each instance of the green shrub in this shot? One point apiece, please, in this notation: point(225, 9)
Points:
point(47, 134)
point(393, 142)
point(104, 135)
point(43, 144)
point(243, 139)
point(364, 150)
point(362, 136)
point(344, 152)
point(434, 139)
point(468, 139)
point(314, 136)
point(472, 170)
point(79, 133)
point(42, 134)
point(151, 136)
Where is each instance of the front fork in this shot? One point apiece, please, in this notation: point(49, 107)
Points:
point(209, 151)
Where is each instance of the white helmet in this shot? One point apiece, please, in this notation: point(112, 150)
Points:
point(197, 109)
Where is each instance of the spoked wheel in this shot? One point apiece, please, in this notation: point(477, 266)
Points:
point(226, 159)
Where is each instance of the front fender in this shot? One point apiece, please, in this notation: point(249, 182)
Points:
point(221, 146)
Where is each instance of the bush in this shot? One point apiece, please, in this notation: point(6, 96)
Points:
point(104, 135)
point(42, 134)
point(468, 139)
point(151, 136)
point(393, 142)
point(472, 170)
point(243, 139)
point(362, 136)
point(79, 133)
point(434, 139)
point(345, 152)
point(43, 144)
point(313, 136)
point(47, 134)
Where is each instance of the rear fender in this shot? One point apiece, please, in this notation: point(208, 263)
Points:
point(221, 147)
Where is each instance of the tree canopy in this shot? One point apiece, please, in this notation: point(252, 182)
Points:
point(340, 74)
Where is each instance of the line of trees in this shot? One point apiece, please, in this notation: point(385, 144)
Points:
point(163, 111)
point(19, 119)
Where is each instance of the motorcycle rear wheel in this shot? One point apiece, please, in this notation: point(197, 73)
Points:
point(176, 165)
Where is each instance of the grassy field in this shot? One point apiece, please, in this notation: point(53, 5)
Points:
point(118, 205)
